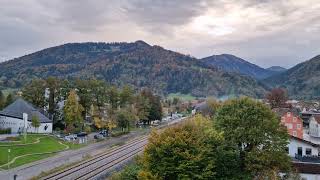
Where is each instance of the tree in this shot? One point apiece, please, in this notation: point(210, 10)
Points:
point(72, 111)
point(185, 151)
point(113, 96)
point(35, 92)
point(85, 94)
point(142, 108)
point(277, 98)
point(2, 100)
point(124, 119)
point(9, 99)
point(53, 85)
point(125, 96)
point(35, 122)
point(255, 133)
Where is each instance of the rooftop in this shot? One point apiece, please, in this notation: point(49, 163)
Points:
point(20, 106)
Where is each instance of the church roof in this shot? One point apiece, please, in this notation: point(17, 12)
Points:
point(20, 106)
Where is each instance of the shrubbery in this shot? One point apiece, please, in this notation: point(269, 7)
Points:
point(5, 131)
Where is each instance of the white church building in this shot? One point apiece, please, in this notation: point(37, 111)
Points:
point(12, 117)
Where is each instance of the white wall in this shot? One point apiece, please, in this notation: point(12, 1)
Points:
point(9, 122)
point(294, 144)
point(310, 176)
point(15, 123)
point(314, 128)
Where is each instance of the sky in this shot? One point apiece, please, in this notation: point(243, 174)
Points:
point(264, 32)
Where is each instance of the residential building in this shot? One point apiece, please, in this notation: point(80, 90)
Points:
point(292, 121)
point(314, 126)
point(12, 117)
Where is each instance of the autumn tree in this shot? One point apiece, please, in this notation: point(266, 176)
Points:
point(185, 151)
point(34, 92)
point(255, 133)
point(73, 111)
point(277, 98)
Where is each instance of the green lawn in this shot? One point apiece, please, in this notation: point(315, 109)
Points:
point(183, 97)
point(46, 144)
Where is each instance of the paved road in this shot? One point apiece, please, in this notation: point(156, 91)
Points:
point(33, 169)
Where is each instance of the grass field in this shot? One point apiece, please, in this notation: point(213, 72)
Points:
point(46, 144)
point(183, 97)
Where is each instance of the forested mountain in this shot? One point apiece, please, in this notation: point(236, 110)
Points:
point(231, 63)
point(302, 81)
point(277, 69)
point(138, 64)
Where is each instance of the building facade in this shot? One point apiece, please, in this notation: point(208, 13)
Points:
point(293, 123)
point(12, 118)
point(314, 126)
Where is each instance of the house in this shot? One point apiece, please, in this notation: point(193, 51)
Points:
point(12, 118)
point(307, 171)
point(298, 148)
point(314, 126)
point(292, 121)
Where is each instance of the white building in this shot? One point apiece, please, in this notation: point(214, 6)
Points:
point(314, 126)
point(302, 147)
point(12, 117)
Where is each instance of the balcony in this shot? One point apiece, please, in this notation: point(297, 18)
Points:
point(307, 158)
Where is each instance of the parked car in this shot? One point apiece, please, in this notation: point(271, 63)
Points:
point(98, 136)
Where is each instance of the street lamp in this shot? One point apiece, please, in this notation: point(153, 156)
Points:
point(9, 150)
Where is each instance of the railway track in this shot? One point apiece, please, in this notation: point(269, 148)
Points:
point(102, 162)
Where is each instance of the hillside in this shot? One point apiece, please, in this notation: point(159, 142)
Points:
point(231, 63)
point(277, 69)
point(302, 81)
point(138, 64)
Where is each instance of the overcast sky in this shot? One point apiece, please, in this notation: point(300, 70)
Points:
point(261, 31)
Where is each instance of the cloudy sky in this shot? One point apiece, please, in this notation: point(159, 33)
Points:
point(265, 32)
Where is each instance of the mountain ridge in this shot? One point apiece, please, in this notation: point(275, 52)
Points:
point(136, 63)
point(231, 63)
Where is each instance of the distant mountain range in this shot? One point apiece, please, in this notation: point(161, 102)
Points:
point(142, 65)
point(231, 63)
point(276, 69)
point(138, 64)
point(302, 81)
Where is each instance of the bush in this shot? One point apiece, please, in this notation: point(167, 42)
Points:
point(5, 131)
point(119, 133)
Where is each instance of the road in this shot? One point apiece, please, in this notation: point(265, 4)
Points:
point(93, 150)
point(105, 163)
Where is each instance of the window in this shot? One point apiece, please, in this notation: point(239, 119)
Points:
point(282, 119)
point(308, 151)
point(288, 114)
point(294, 133)
point(294, 119)
point(299, 151)
point(289, 126)
point(298, 126)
